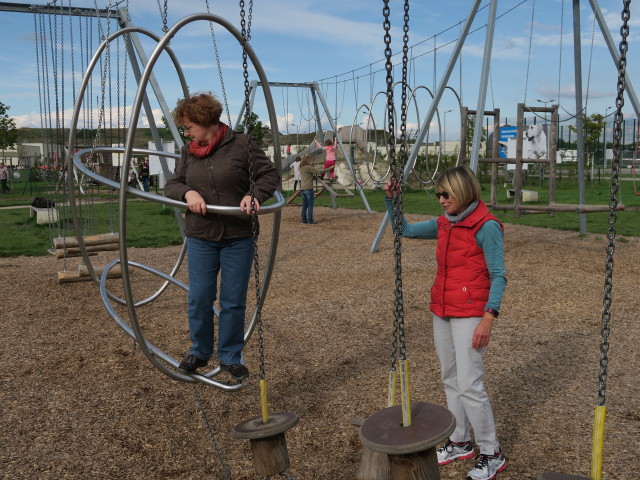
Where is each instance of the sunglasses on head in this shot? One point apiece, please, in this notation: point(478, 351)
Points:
point(442, 194)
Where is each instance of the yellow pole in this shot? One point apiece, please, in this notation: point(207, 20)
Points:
point(406, 396)
point(391, 396)
point(598, 442)
point(263, 401)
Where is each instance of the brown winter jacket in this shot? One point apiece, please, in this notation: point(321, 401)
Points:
point(222, 179)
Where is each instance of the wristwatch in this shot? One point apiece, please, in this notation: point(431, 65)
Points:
point(493, 312)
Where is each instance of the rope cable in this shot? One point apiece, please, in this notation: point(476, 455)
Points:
point(219, 65)
point(526, 80)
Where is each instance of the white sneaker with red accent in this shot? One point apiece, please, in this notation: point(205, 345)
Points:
point(451, 451)
point(487, 466)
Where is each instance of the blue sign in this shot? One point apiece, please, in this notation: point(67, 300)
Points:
point(506, 133)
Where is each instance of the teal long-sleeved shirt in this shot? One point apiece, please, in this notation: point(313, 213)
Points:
point(489, 238)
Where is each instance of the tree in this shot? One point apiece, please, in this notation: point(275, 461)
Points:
point(8, 130)
point(592, 129)
point(256, 129)
point(471, 122)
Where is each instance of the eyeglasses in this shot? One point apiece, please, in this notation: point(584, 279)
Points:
point(442, 194)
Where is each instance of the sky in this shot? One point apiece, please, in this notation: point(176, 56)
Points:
point(338, 44)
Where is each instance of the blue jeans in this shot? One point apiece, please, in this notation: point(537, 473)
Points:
point(232, 259)
point(145, 183)
point(307, 205)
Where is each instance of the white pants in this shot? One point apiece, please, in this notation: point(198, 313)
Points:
point(461, 371)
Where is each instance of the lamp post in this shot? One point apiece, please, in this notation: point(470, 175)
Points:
point(297, 135)
point(443, 140)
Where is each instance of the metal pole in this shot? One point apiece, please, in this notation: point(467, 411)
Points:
point(484, 80)
point(614, 54)
point(342, 149)
point(430, 113)
point(579, 111)
point(444, 132)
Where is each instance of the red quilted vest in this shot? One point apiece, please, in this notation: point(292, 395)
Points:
point(461, 286)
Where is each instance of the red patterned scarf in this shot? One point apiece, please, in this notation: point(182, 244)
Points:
point(202, 151)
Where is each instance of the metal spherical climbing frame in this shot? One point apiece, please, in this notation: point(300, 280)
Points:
point(161, 360)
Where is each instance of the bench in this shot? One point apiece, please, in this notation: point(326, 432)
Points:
point(44, 215)
point(526, 195)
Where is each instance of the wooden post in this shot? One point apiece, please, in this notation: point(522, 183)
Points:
point(495, 154)
point(517, 174)
point(464, 148)
point(270, 454)
point(90, 240)
point(373, 465)
point(76, 251)
point(560, 476)
point(268, 443)
point(415, 466)
point(553, 152)
point(410, 450)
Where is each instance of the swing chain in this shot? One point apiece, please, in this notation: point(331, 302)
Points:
point(403, 159)
point(395, 187)
point(163, 15)
point(212, 437)
point(613, 203)
point(254, 215)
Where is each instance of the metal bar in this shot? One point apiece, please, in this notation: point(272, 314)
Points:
point(342, 149)
point(577, 58)
point(614, 54)
point(484, 80)
point(125, 21)
point(430, 113)
point(60, 10)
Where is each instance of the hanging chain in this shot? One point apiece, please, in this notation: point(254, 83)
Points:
point(397, 239)
point(403, 158)
point(212, 437)
point(254, 215)
point(613, 203)
point(398, 342)
point(219, 64)
point(163, 15)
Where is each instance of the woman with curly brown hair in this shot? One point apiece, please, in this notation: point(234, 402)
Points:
point(214, 169)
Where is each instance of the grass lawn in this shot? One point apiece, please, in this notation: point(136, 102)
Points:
point(154, 225)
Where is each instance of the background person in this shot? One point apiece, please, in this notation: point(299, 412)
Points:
point(330, 155)
point(144, 174)
point(4, 177)
point(465, 299)
point(295, 166)
point(214, 169)
point(307, 171)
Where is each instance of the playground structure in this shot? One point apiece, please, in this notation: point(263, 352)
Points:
point(77, 165)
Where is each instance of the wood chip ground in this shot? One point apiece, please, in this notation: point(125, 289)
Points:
point(79, 401)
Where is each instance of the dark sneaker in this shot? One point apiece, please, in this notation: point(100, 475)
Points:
point(454, 451)
point(191, 363)
point(487, 466)
point(239, 372)
point(311, 222)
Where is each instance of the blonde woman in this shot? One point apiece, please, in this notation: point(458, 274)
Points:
point(465, 300)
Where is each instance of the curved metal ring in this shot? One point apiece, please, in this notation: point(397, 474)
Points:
point(127, 154)
point(71, 173)
point(366, 139)
point(168, 359)
point(435, 171)
point(370, 167)
point(154, 354)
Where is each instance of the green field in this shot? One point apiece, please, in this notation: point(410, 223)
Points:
point(154, 225)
